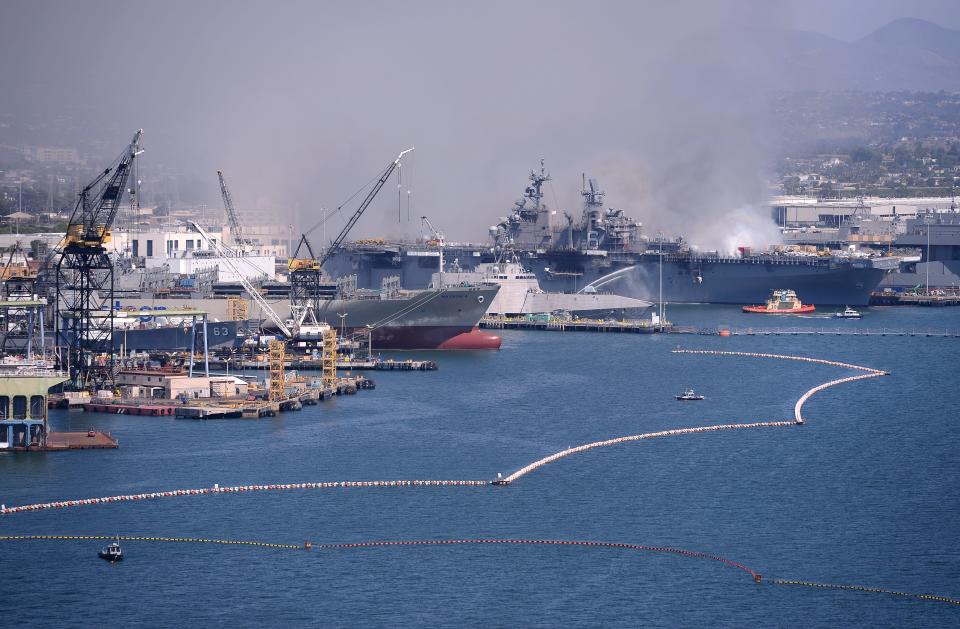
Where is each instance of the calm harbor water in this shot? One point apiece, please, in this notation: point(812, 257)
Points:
point(865, 493)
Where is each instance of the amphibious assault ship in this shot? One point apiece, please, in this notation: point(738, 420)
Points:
point(607, 250)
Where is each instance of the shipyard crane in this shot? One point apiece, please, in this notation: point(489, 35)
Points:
point(438, 237)
point(227, 256)
point(83, 317)
point(304, 275)
point(360, 210)
point(236, 231)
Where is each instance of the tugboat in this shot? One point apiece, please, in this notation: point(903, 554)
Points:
point(112, 553)
point(848, 313)
point(689, 396)
point(782, 301)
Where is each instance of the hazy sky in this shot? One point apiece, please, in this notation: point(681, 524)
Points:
point(301, 102)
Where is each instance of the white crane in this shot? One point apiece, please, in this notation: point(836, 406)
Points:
point(226, 256)
point(438, 236)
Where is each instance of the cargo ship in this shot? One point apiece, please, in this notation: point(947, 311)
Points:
point(607, 250)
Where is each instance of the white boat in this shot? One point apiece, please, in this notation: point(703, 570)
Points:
point(848, 313)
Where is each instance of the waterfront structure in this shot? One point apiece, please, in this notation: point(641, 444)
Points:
point(23, 404)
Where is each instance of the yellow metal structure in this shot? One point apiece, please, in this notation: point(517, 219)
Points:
point(237, 309)
point(300, 264)
point(329, 358)
point(76, 237)
point(277, 351)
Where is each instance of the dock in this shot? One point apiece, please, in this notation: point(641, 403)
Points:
point(310, 364)
point(915, 299)
point(817, 331)
point(89, 440)
point(223, 408)
point(626, 326)
point(646, 327)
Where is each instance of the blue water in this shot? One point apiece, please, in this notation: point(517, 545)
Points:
point(865, 493)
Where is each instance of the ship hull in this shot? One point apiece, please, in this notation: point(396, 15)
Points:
point(425, 319)
point(721, 280)
point(713, 282)
point(178, 338)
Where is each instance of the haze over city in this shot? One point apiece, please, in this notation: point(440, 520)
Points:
point(302, 103)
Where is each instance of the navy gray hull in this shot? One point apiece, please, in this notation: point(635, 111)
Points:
point(718, 280)
point(178, 338)
point(733, 280)
point(424, 320)
point(409, 320)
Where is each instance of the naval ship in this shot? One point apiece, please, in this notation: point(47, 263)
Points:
point(441, 318)
point(607, 250)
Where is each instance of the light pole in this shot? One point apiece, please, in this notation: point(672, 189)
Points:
point(926, 222)
point(369, 341)
point(660, 255)
point(343, 318)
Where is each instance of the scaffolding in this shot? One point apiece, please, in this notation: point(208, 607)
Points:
point(329, 359)
point(237, 309)
point(277, 382)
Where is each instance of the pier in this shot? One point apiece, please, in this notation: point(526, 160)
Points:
point(225, 408)
point(553, 324)
point(635, 326)
point(817, 331)
point(311, 364)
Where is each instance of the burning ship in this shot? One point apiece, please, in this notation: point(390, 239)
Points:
point(607, 250)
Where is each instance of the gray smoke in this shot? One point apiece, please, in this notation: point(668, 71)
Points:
point(302, 102)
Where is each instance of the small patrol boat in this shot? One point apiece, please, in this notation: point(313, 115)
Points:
point(848, 313)
point(782, 301)
point(689, 395)
point(112, 553)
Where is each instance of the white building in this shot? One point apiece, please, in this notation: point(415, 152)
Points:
point(185, 252)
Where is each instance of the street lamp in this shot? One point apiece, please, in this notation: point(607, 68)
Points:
point(343, 318)
point(660, 255)
point(926, 222)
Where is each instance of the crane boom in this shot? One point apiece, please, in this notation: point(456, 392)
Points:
point(257, 297)
point(363, 206)
point(92, 218)
point(235, 229)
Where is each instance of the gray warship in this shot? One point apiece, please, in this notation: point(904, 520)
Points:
point(606, 250)
point(443, 318)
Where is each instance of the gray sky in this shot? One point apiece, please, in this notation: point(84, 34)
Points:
point(301, 102)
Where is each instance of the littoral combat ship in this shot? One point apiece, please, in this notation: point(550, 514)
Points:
point(606, 250)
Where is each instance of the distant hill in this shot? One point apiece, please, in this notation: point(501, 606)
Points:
point(906, 54)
